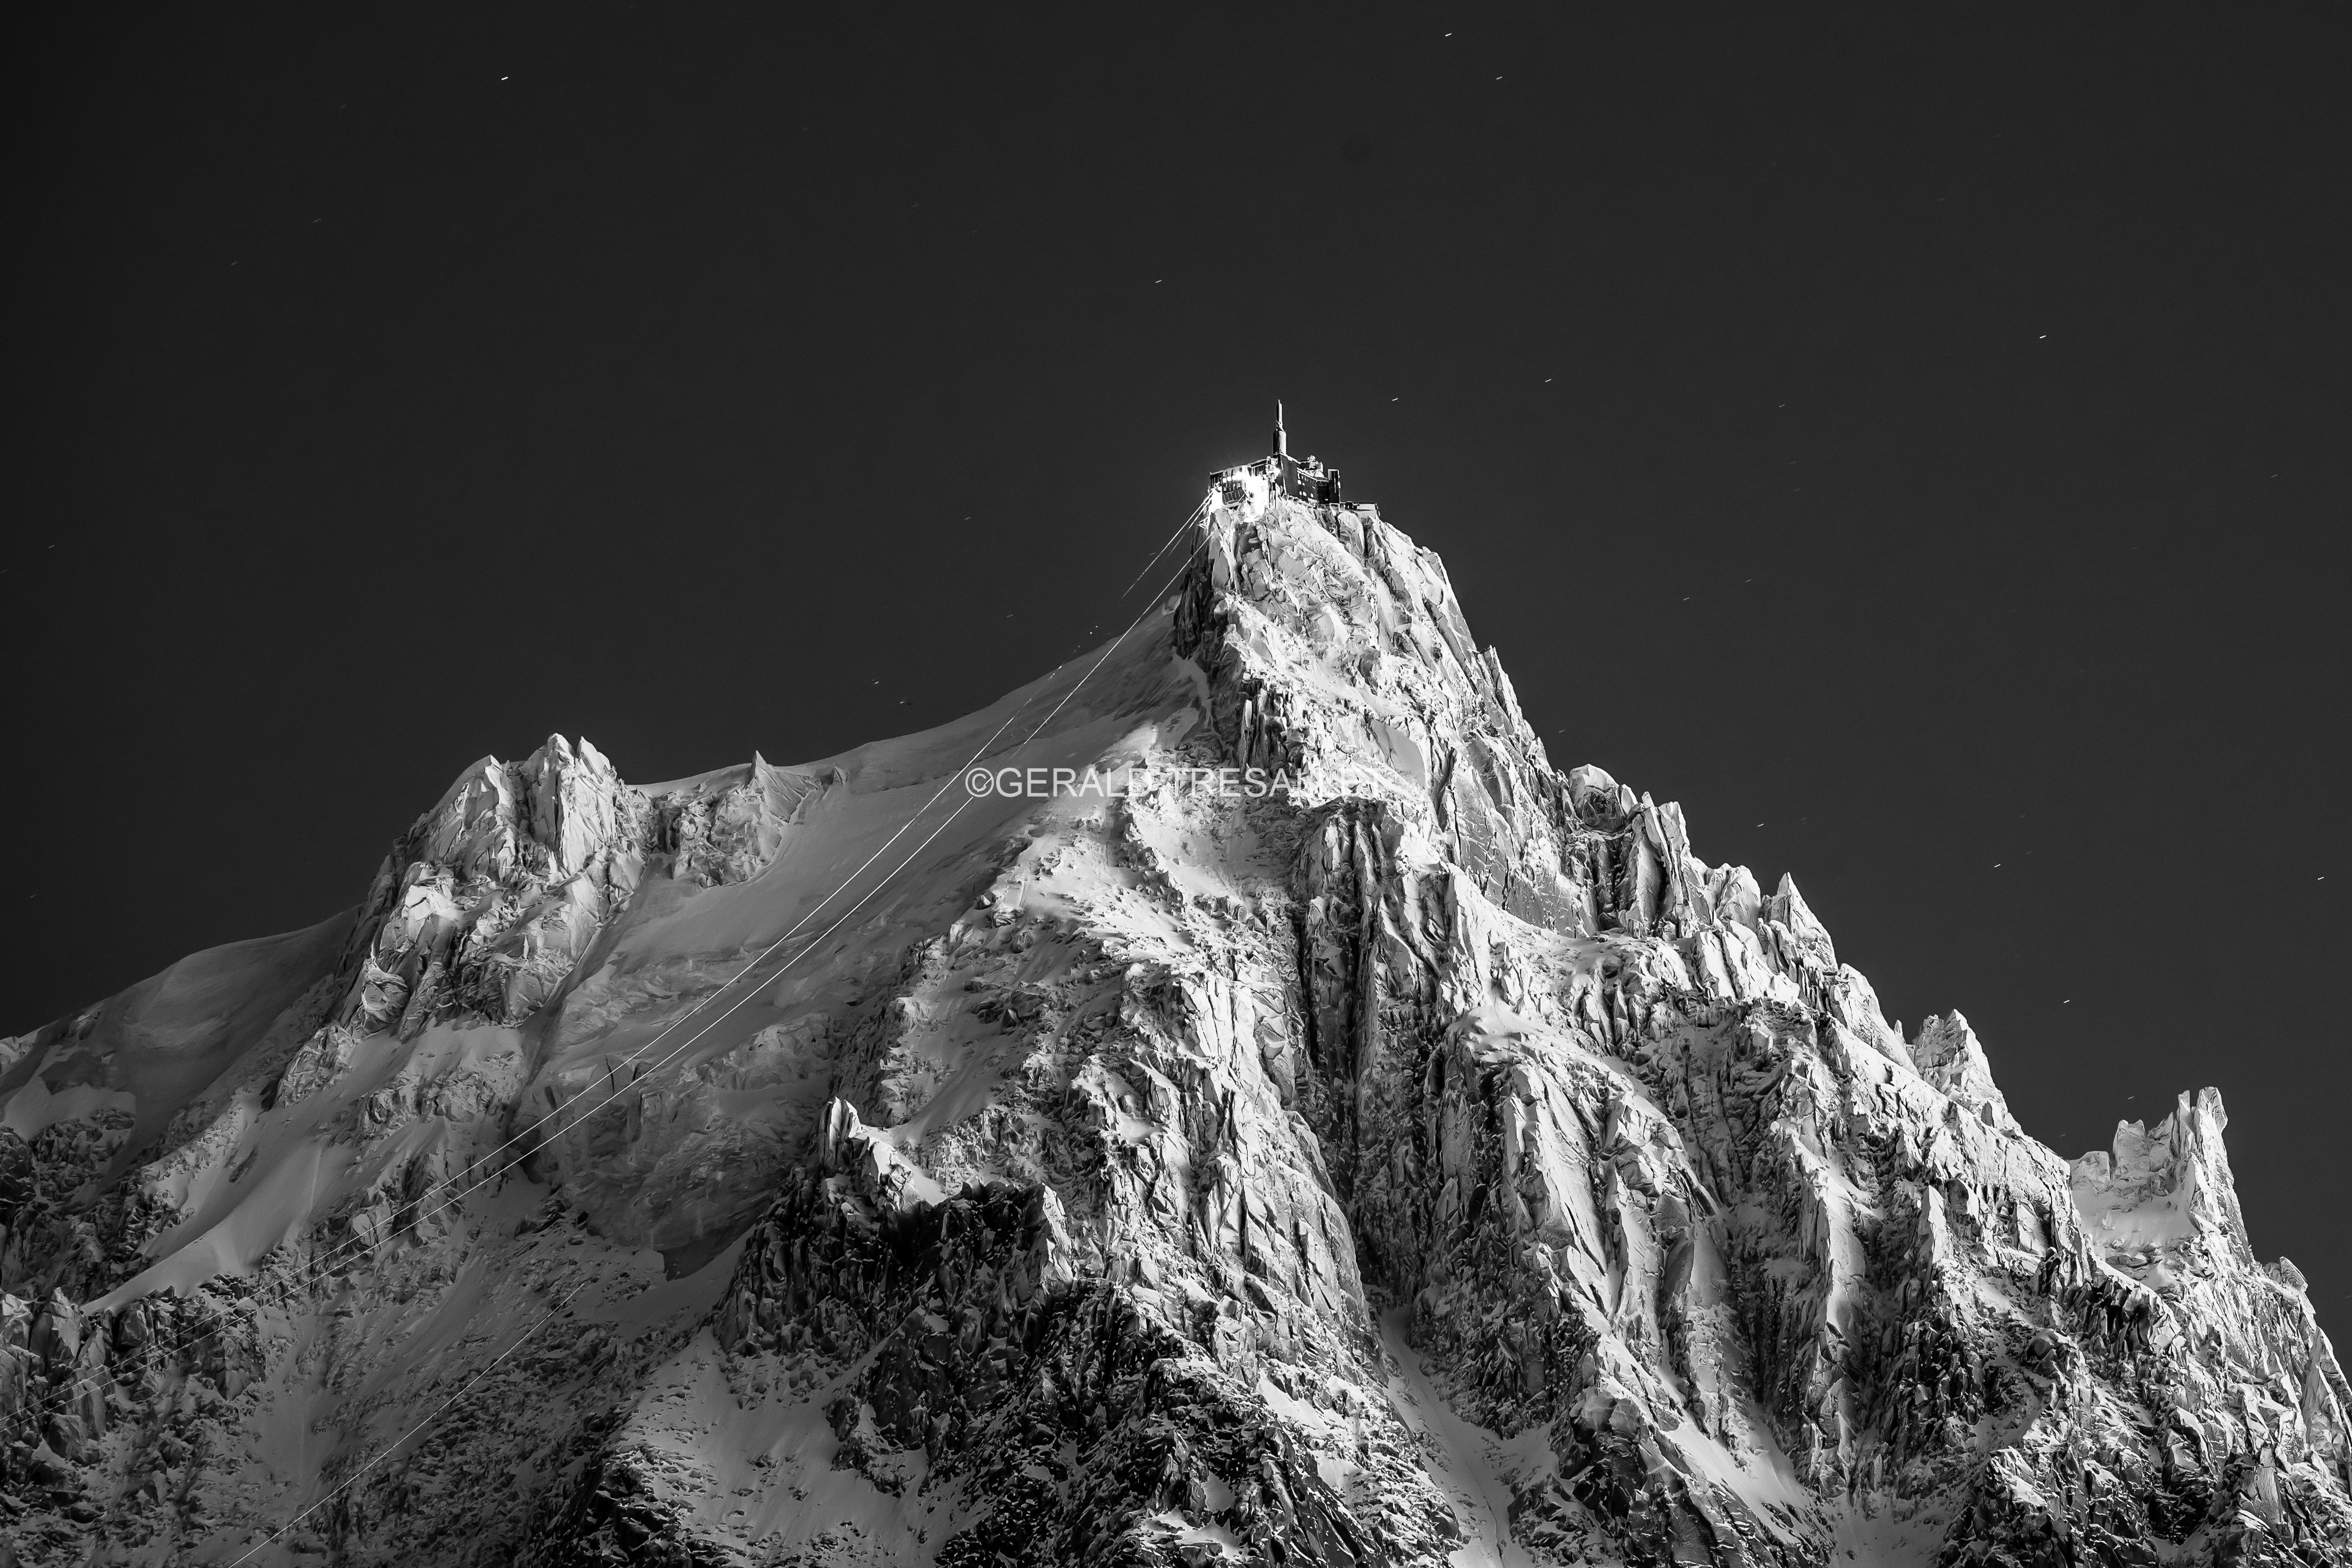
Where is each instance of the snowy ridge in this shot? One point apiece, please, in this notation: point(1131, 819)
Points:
point(1430, 1161)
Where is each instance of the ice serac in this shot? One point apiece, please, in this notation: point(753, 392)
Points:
point(1400, 1151)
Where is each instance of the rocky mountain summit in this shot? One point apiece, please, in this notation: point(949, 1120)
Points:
point(1336, 1137)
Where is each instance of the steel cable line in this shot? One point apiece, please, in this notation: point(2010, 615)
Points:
point(1198, 512)
point(356, 1243)
point(31, 1413)
point(439, 1409)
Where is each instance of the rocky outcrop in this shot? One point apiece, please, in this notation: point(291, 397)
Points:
point(1424, 1155)
point(488, 901)
point(725, 829)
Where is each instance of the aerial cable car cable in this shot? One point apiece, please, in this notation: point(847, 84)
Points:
point(551, 1312)
point(333, 1255)
point(32, 1413)
point(1197, 514)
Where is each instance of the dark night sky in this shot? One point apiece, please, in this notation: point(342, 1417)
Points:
point(1919, 447)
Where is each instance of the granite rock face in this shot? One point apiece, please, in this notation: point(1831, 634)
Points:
point(1335, 1137)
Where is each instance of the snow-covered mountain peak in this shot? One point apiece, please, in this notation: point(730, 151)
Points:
point(1233, 1099)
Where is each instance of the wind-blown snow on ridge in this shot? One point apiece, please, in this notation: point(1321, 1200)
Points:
point(1429, 1160)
